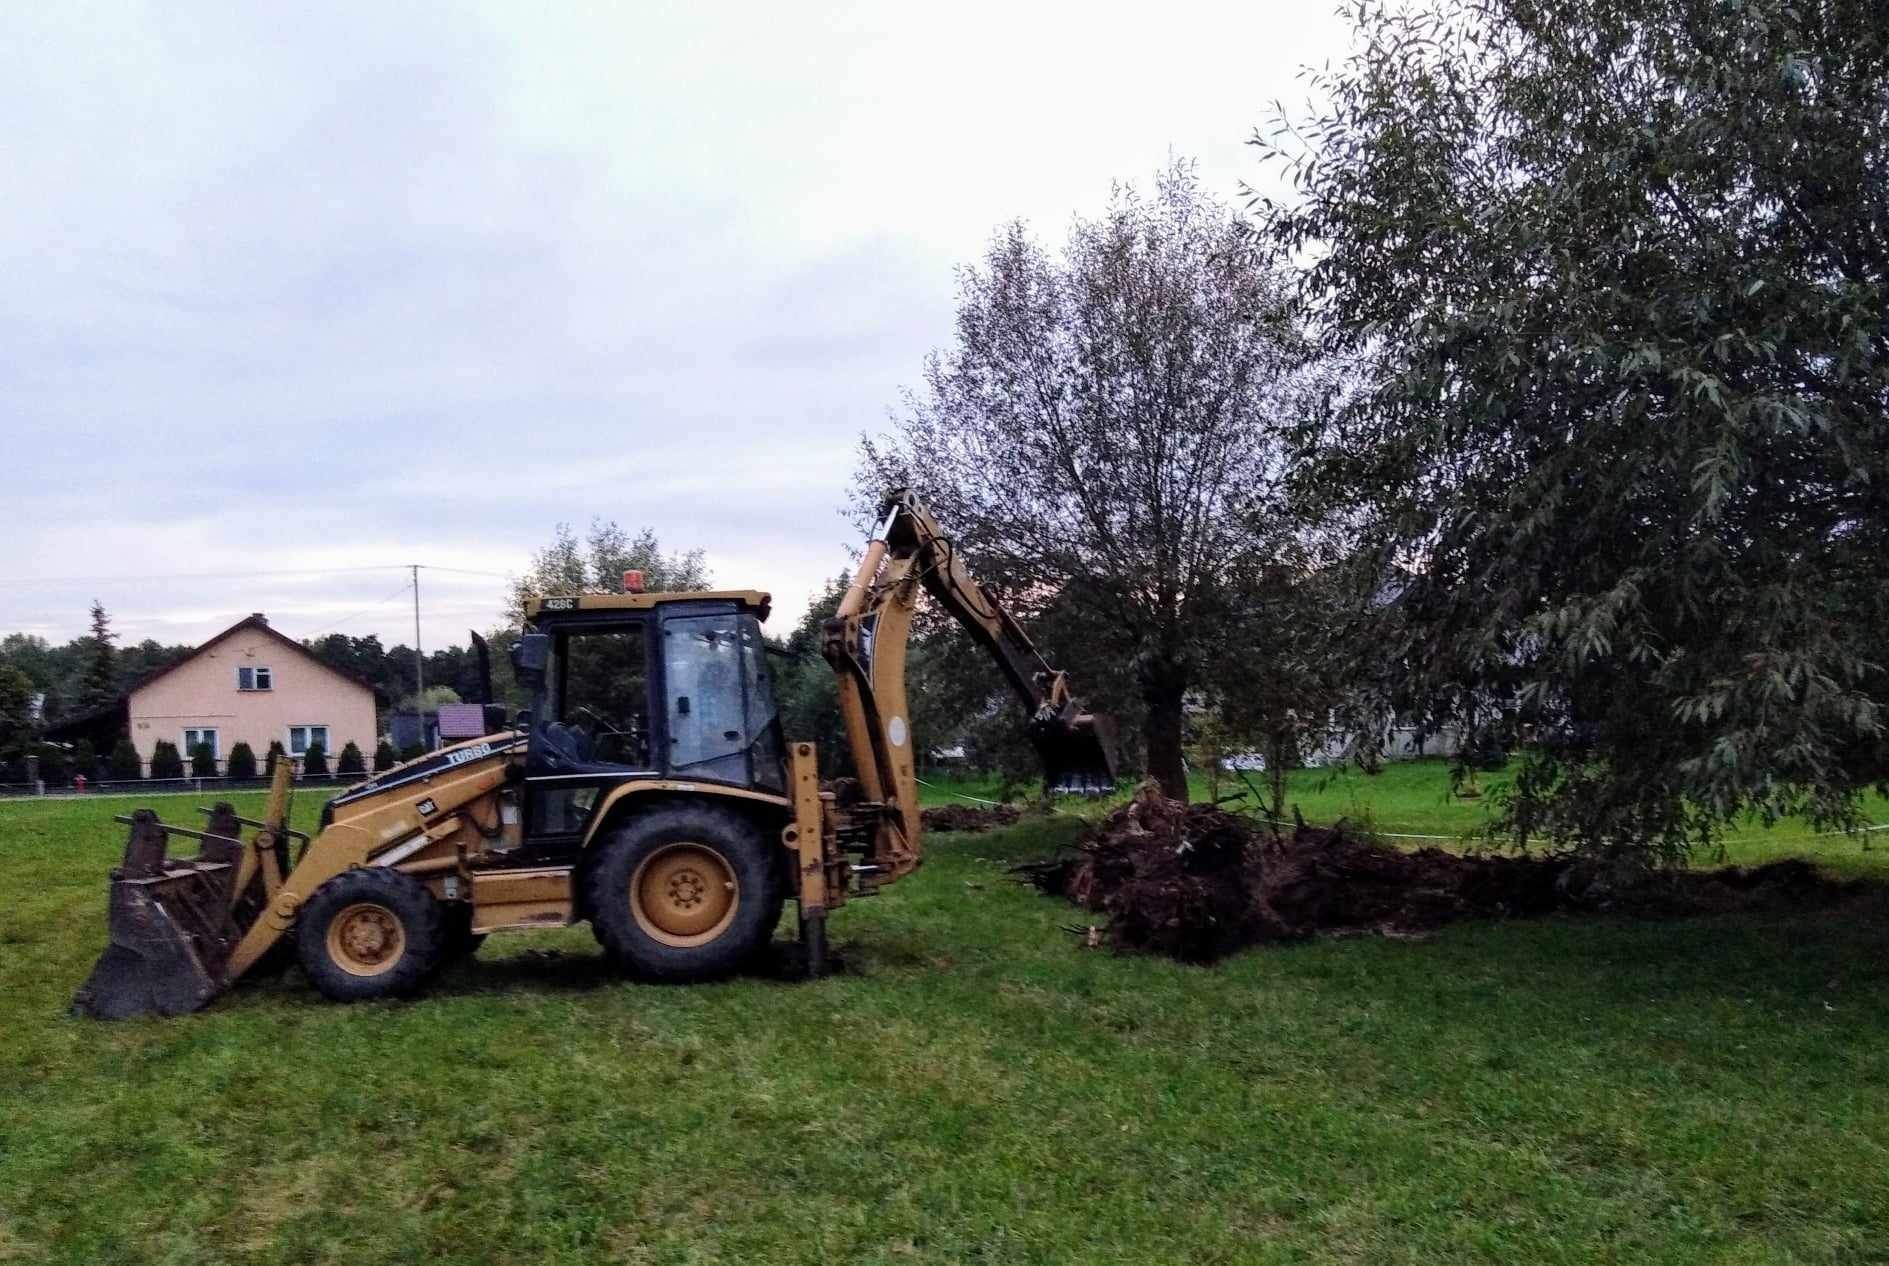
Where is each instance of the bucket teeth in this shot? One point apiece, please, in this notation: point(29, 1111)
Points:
point(1078, 753)
point(170, 929)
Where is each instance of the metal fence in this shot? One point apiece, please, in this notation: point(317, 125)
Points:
point(105, 784)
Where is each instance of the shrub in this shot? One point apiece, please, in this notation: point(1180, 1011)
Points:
point(203, 761)
point(55, 762)
point(384, 756)
point(242, 761)
point(315, 761)
point(85, 758)
point(275, 754)
point(412, 751)
point(351, 761)
point(123, 762)
point(165, 760)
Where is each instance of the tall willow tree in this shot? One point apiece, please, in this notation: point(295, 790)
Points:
point(1620, 268)
point(1104, 434)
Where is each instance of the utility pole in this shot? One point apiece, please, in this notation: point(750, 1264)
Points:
point(419, 660)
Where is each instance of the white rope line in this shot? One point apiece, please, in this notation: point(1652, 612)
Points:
point(959, 794)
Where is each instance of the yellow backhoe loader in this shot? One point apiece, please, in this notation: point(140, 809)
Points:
point(648, 790)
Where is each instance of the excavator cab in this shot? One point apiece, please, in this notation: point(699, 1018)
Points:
point(637, 686)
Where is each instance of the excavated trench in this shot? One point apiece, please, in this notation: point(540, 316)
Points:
point(967, 818)
point(1196, 883)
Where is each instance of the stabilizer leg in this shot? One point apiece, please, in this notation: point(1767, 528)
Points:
point(813, 942)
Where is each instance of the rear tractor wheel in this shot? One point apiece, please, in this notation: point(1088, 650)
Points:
point(370, 933)
point(685, 893)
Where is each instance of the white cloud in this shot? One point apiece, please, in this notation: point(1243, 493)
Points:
point(362, 284)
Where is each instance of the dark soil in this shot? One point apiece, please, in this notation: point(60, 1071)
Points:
point(969, 818)
point(1196, 883)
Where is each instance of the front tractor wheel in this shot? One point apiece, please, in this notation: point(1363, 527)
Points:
point(370, 933)
point(685, 893)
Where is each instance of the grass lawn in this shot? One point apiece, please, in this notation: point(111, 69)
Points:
point(974, 1087)
point(1411, 802)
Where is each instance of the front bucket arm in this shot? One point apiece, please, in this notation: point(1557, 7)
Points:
point(174, 922)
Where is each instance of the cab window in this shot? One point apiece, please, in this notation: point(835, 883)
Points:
point(601, 688)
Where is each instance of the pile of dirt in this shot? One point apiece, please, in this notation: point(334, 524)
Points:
point(1195, 883)
point(969, 818)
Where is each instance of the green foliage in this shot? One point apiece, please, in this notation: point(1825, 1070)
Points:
point(84, 759)
point(55, 763)
point(804, 686)
point(123, 763)
point(428, 701)
point(16, 711)
point(202, 761)
point(384, 756)
point(315, 760)
point(166, 762)
point(276, 753)
point(1105, 434)
point(69, 675)
point(1613, 279)
point(100, 685)
point(242, 761)
point(351, 761)
point(412, 751)
point(597, 563)
point(1519, 1091)
point(389, 670)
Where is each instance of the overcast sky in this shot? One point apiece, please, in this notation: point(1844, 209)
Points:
point(312, 290)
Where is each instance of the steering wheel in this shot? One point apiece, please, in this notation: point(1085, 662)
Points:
point(604, 724)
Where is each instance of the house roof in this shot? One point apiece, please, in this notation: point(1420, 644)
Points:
point(258, 621)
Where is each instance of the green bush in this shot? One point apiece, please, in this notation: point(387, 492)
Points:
point(55, 762)
point(412, 751)
point(85, 758)
point(384, 758)
point(315, 761)
point(275, 754)
point(124, 763)
point(165, 760)
point(202, 761)
point(242, 761)
point(351, 761)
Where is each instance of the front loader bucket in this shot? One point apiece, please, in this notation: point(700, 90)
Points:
point(169, 920)
point(1078, 753)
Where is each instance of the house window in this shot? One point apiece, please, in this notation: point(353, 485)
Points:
point(193, 739)
point(303, 737)
point(248, 678)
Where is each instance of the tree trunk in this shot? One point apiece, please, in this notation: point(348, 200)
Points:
point(1276, 775)
point(1162, 732)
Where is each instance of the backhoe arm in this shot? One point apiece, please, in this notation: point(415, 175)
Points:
point(866, 644)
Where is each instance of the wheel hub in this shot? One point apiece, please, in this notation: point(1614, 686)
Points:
point(366, 939)
point(684, 894)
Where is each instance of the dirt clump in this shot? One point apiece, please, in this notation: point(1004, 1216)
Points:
point(1195, 883)
point(969, 818)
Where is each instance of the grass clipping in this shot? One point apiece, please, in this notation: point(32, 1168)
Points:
point(1196, 883)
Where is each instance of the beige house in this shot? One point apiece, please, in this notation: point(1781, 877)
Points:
point(250, 684)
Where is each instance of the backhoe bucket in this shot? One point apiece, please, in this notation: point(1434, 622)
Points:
point(1078, 754)
point(170, 922)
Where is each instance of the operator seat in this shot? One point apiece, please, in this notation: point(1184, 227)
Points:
point(564, 749)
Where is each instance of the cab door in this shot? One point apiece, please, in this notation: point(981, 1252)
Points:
point(595, 727)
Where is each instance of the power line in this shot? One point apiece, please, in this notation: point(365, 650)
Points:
point(465, 571)
point(196, 575)
point(398, 593)
point(245, 575)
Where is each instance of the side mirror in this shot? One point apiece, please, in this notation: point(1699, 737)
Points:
point(530, 657)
